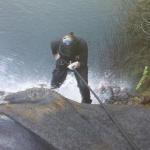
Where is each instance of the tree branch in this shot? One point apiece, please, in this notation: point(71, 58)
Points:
point(145, 19)
point(144, 30)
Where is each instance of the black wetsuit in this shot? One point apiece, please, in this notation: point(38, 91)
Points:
point(60, 71)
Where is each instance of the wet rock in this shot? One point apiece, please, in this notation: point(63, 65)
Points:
point(65, 125)
point(31, 95)
point(112, 94)
point(144, 100)
point(105, 92)
point(14, 136)
point(2, 93)
point(2, 96)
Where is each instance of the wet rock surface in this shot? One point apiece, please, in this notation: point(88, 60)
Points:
point(14, 136)
point(65, 125)
point(113, 94)
point(2, 93)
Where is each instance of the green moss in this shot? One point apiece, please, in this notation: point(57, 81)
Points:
point(145, 92)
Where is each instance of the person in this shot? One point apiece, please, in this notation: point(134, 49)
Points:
point(71, 52)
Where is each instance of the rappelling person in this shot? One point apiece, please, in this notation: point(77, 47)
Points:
point(71, 52)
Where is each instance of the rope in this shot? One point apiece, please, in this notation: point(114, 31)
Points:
point(108, 112)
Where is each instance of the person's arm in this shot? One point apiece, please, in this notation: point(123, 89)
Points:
point(83, 52)
point(54, 47)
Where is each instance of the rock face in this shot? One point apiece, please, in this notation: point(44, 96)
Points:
point(113, 94)
point(105, 92)
point(60, 123)
point(14, 136)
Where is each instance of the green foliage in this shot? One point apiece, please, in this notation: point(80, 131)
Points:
point(145, 72)
point(138, 25)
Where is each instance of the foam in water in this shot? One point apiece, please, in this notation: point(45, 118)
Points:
point(68, 89)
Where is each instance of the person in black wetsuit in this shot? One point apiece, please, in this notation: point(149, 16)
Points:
point(74, 51)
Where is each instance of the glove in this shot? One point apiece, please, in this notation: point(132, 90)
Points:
point(74, 65)
point(56, 56)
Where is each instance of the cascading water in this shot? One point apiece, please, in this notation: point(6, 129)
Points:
point(27, 27)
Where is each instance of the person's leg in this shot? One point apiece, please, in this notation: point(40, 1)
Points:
point(85, 92)
point(59, 74)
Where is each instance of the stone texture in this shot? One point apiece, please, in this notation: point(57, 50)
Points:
point(67, 125)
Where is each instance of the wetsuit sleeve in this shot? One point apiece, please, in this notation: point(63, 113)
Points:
point(55, 45)
point(83, 51)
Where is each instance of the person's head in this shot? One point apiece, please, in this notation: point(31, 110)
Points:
point(67, 45)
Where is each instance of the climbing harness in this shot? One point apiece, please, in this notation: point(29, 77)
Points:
point(106, 109)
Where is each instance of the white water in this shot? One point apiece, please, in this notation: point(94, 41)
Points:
point(68, 89)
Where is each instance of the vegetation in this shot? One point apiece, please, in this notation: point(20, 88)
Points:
point(143, 78)
point(137, 27)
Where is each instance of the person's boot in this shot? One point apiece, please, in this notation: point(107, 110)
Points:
point(87, 101)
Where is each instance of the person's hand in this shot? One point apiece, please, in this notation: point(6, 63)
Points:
point(56, 56)
point(74, 65)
